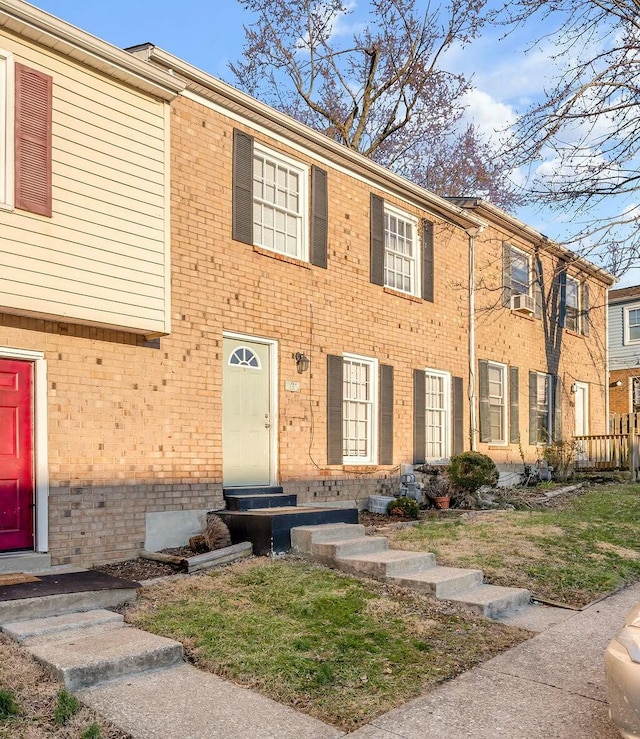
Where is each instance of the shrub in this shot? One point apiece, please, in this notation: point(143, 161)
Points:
point(8, 705)
point(216, 535)
point(469, 471)
point(403, 507)
point(561, 455)
point(67, 707)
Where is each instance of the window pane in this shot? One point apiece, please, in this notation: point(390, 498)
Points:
point(519, 273)
point(496, 374)
point(399, 259)
point(357, 409)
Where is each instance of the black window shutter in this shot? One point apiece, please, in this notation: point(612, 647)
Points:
point(319, 217)
point(457, 403)
point(557, 408)
point(242, 228)
point(419, 430)
point(427, 261)
point(562, 296)
point(533, 408)
point(334, 409)
point(585, 309)
point(377, 240)
point(514, 408)
point(537, 288)
point(483, 389)
point(506, 275)
point(386, 415)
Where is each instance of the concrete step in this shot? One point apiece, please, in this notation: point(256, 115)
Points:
point(303, 537)
point(441, 582)
point(492, 601)
point(349, 548)
point(81, 660)
point(24, 562)
point(54, 605)
point(58, 626)
point(383, 565)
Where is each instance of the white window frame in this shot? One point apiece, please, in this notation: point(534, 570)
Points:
point(627, 332)
point(7, 114)
point(446, 415)
point(372, 422)
point(505, 402)
point(520, 252)
point(575, 308)
point(548, 380)
point(414, 261)
point(278, 159)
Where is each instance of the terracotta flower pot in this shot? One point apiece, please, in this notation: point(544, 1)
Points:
point(442, 503)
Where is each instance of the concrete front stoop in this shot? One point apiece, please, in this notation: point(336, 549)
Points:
point(345, 547)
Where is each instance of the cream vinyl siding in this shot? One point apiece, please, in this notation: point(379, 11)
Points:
point(103, 257)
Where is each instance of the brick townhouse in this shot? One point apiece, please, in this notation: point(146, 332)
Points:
point(281, 311)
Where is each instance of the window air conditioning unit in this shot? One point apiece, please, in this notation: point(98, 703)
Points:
point(523, 304)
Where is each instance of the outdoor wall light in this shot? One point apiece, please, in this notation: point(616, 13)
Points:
point(302, 362)
point(617, 383)
point(574, 388)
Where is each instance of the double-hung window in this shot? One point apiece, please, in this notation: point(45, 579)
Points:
point(572, 305)
point(543, 407)
point(632, 324)
point(279, 203)
point(6, 128)
point(520, 269)
point(497, 384)
point(359, 409)
point(400, 251)
point(437, 415)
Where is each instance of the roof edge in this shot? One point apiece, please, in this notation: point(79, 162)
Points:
point(495, 213)
point(441, 206)
point(58, 35)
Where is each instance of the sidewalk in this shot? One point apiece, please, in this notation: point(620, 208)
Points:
point(550, 687)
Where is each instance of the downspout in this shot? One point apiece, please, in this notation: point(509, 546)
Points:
point(473, 425)
point(607, 373)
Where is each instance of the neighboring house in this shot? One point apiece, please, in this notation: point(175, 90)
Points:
point(540, 340)
point(328, 324)
point(84, 274)
point(624, 350)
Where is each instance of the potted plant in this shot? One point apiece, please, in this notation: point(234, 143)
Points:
point(438, 490)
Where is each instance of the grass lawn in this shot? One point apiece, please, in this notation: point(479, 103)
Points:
point(341, 649)
point(574, 554)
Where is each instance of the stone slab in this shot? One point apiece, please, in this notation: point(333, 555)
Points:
point(165, 529)
point(187, 703)
point(51, 605)
point(55, 626)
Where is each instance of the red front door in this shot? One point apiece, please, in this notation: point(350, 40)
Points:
point(16, 455)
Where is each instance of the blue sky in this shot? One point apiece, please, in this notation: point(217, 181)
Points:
point(209, 33)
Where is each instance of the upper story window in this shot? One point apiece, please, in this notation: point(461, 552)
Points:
point(6, 128)
point(520, 269)
point(279, 203)
point(572, 315)
point(632, 324)
point(400, 251)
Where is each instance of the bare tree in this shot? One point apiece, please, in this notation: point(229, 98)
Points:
point(586, 129)
point(377, 86)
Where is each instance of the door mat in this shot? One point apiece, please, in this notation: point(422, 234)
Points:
point(17, 578)
point(62, 584)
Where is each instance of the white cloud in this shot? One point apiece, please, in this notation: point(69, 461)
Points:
point(490, 116)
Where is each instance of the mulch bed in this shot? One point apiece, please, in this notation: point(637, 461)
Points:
point(146, 569)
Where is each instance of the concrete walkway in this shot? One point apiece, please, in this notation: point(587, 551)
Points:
point(550, 686)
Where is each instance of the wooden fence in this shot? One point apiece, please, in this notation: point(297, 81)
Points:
point(617, 450)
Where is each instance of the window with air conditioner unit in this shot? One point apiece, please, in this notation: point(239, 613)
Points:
point(523, 303)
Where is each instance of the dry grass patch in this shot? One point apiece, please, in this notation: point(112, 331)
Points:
point(40, 709)
point(341, 649)
point(573, 555)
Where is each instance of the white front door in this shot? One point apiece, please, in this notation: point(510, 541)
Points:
point(246, 413)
